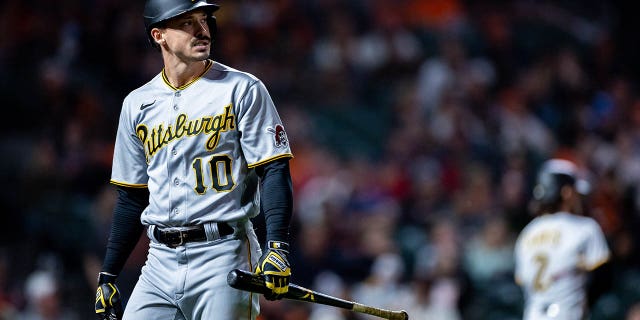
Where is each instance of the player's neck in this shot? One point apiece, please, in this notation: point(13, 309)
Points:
point(179, 73)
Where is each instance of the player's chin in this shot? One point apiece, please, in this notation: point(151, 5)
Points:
point(201, 54)
point(201, 50)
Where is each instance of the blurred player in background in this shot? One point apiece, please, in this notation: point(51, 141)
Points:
point(561, 256)
point(200, 150)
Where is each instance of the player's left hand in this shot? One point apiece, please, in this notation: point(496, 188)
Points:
point(275, 268)
point(108, 302)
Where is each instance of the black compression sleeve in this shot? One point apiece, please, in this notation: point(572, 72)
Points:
point(126, 228)
point(276, 198)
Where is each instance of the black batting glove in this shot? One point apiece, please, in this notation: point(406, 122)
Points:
point(108, 303)
point(275, 268)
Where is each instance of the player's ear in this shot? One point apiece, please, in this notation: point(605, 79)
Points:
point(158, 36)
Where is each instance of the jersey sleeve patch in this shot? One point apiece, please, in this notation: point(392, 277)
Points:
point(280, 140)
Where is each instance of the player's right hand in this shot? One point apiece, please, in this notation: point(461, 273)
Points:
point(108, 303)
point(274, 266)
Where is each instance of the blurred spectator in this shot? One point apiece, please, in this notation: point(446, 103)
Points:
point(383, 287)
point(438, 263)
point(520, 129)
point(451, 73)
point(329, 283)
point(431, 303)
point(488, 255)
point(45, 301)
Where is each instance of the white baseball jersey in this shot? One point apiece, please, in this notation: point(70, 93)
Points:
point(553, 254)
point(195, 146)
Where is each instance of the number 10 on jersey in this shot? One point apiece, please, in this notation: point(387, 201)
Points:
point(218, 168)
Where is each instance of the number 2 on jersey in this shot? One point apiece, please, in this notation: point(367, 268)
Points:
point(219, 173)
point(542, 260)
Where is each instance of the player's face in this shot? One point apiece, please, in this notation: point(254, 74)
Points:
point(188, 36)
point(572, 200)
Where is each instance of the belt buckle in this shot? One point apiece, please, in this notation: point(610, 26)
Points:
point(173, 236)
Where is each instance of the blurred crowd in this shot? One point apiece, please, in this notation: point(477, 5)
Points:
point(417, 128)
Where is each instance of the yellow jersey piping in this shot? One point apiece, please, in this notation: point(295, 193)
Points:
point(125, 184)
point(286, 155)
point(184, 86)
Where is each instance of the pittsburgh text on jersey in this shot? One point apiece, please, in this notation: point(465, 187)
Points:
point(159, 136)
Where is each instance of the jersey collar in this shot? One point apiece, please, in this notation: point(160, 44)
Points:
point(184, 86)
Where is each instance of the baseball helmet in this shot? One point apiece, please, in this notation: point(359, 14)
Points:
point(555, 174)
point(158, 11)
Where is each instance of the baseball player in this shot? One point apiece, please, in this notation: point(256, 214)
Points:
point(560, 255)
point(200, 150)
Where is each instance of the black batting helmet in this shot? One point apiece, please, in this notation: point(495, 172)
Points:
point(158, 11)
point(555, 174)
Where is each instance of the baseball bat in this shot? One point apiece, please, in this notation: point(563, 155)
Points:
point(248, 281)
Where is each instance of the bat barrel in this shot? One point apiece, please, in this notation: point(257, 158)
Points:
point(378, 312)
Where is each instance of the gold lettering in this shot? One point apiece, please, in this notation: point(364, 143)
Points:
point(180, 127)
point(168, 136)
point(229, 119)
point(547, 237)
point(159, 137)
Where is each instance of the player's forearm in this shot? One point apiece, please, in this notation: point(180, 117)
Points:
point(125, 228)
point(277, 199)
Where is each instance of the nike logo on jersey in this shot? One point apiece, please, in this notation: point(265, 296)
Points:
point(145, 105)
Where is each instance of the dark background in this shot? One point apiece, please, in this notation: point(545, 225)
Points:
point(417, 128)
